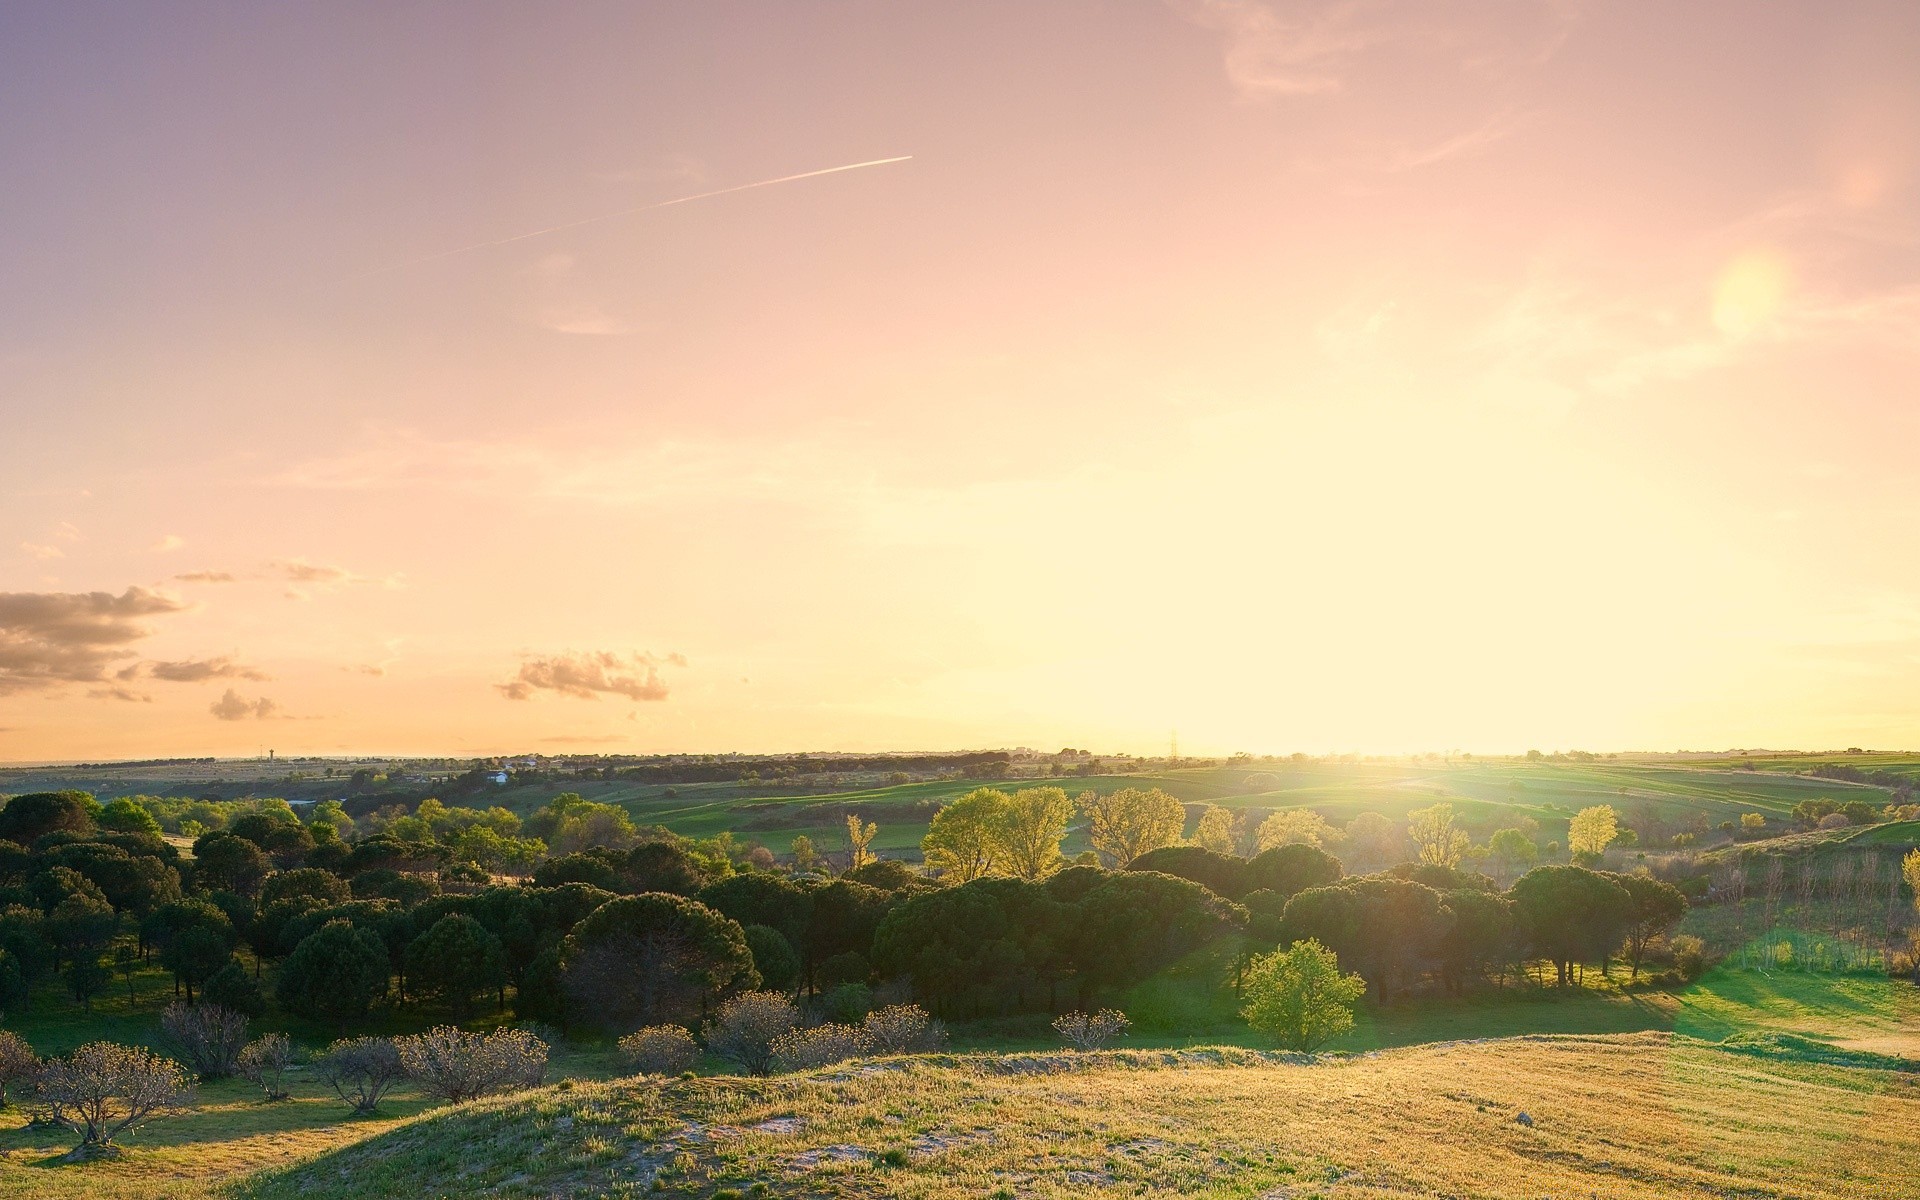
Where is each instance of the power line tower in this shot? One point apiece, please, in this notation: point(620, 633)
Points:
point(1173, 746)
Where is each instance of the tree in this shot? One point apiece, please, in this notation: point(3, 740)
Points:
point(642, 960)
point(966, 835)
point(1655, 907)
point(195, 939)
point(1294, 825)
point(452, 1065)
point(1570, 914)
point(1214, 831)
point(1910, 868)
point(360, 1071)
point(1221, 874)
point(1381, 926)
point(123, 815)
point(231, 987)
point(1291, 868)
point(1434, 836)
point(1124, 824)
point(455, 960)
point(746, 1027)
point(1513, 849)
point(1590, 832)
point(1373, 840)
point(1299, 997)
point(27, 818)
point(804, 855)
point(87, 977)
point(307, 883)
point(334, 974)
point(773, 957)
point(102, 1090)
point(859, 837)
point(224, 862)
point(1033, 825)
point(18, 1063)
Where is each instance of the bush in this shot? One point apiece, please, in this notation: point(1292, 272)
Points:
point(452, 1065)
point(1299, 997)
point(1689, 956)
point(744, 1029)
point(848, 1003)
point(19, 1065)
point(360, 1070)
point(207, 1037)
point(264, 1063)
point(903, 1029)
point(102, 1090)
point(1095, 1032)
point(660, 1050)
point(819, 1046)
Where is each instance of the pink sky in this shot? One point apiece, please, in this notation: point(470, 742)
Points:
point(1345, 376)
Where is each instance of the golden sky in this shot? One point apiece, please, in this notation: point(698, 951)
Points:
point(1369, 376)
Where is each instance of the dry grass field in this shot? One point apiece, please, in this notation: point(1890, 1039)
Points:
point(1650, 1115)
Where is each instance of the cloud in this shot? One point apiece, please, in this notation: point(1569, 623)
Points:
point(235, 707)
point(299, 570)
point(1290, 48)
point(50, 638)
point(202, 669)
point(561, 302)
point(119, 693)
point(207, 577)
point(587, 676)
point(171, 541)
point(41, 551)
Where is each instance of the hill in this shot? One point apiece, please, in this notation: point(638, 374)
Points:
point(1638, 1115)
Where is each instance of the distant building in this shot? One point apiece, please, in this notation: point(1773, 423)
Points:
point(497, 778)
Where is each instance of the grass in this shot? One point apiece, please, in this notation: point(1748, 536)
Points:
point(1626, 1116)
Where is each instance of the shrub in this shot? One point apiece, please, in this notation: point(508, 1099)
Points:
point(848, 1003)
point(102, 1090)
point(207, 1037)
point(1834, 821)
point(18, 1063)
point(1299, 996)
point(745, 1027)
point(818, 1046)
point(360, 1070)
point(903, 1029)
point(1689, 956)
point(660, 1050)
point(264, 1062)
point(452, 1065)
point(1095, 1032)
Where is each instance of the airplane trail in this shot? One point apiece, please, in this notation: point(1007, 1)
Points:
point(628, 212)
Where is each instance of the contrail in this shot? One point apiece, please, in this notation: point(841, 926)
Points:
point(628, 212)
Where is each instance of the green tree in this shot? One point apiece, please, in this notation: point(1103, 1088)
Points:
point(1590, 832)
point(1214, 830)
point(1299, 996)
point(1124, 824)
point(455, 960)
point(642, 960)
point(1294, 825)
point(859, 838)
point(123, 815)
point(334, 974)
point(1570, 915)
point(1032, 826)
point(1513, 849)
point(965, 837)
point(1656, 907)
point(1434, 836)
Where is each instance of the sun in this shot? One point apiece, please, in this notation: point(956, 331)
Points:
point(1749, 293)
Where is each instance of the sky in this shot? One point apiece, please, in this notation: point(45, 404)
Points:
point(1342, 376)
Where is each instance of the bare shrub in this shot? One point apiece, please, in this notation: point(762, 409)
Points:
point(453, 1065)
point(102, 1090)
point(903, 1029)
point(660, 1050)
point(360, 1070)
point(264, 1063)
point(818, 1046)
point(207, 1038)
point(1689, 956)
point(1095, 1032)
point(744, 1029)
point(19, 1065)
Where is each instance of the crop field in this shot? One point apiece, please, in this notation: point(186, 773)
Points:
point(1636, 1115)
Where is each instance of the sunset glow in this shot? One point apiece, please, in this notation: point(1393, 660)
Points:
point(1402, 377)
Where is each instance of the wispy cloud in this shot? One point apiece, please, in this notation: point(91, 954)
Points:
point(42, 551)
point(207, 577)
point(199, 670)
point(168, 543)
point(587, 676)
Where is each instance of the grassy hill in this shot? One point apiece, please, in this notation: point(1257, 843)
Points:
point(1624, 1116)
